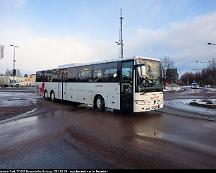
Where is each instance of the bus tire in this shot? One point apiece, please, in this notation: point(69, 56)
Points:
point(75, 103)
point(46, 95)
point(116, 111)
point(52, 96)
point(99, 104)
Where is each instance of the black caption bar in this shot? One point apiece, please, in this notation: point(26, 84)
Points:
point(54, 171)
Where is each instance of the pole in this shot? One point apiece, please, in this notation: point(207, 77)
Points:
point(120, 42)
point(121, 36)
point(213, 81)
point(14, 60)
point(14, 64)
point(213, 71)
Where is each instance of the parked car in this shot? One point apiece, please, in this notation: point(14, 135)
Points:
point(194, 86)
point(14, 83)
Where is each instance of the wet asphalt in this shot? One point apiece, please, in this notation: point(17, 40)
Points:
point(62, 136)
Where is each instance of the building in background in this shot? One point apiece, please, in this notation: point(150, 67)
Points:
point(27, 81)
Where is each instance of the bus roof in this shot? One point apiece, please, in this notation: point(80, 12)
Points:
point(101, 62)
point(106, 61)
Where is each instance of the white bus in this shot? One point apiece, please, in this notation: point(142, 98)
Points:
point(132, 84)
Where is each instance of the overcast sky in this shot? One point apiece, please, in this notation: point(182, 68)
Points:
point(50, 33)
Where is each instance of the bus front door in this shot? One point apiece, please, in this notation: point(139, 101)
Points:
point(126, 100)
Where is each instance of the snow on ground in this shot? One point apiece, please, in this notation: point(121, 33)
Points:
point(211, 90)
point(183, 104)
point(202, 101)
point(9, 99)
point(182, 88)
point(173, 88)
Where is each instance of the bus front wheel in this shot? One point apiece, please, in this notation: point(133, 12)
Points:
point(99, 104)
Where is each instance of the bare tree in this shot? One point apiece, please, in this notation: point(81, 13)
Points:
point(166, 63)
point(206, 76)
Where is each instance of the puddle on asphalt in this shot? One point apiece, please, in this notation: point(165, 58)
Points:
point(149, 132)
point(193, 91)
point(25, 128)
point(15, 102)
point(152, 127)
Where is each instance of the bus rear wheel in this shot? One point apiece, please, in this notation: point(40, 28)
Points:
point(52, 96)
point(99, 104)
point(46, 95)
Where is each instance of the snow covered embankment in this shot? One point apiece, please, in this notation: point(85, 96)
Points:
point(184, 105)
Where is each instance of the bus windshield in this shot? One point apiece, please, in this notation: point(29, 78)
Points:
point(148, 76)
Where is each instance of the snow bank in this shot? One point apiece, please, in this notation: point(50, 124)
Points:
point(184, 105)
point(173, 88)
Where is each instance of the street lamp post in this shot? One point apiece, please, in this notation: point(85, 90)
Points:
point(197, 71)
point(203, 63)
point(212, 44)
point(14, 60)
point(120, 42)
point(203, 70)
point(211, 70)
point(202, 73)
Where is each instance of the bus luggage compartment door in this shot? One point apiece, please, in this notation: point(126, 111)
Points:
point(85, 96)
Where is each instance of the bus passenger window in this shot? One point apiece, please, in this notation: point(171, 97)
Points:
point(97, 75)
point(72, 75)
point(127, 77)
point(113, 75)
point(54, 76)
point(85, 74)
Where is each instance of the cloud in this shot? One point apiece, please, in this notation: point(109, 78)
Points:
point(37, 52)
point(185, 42)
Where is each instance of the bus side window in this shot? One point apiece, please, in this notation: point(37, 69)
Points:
point(113, 75)
point(97, 75)
point(62, 75)
point(44, 76)
point(110, 72)
point(39, 76)
point(127, 77)
point(72, 75)
point(85, 74)
point(54, 77)
point(127, 71)
point(106, 75)
point(106, 72)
